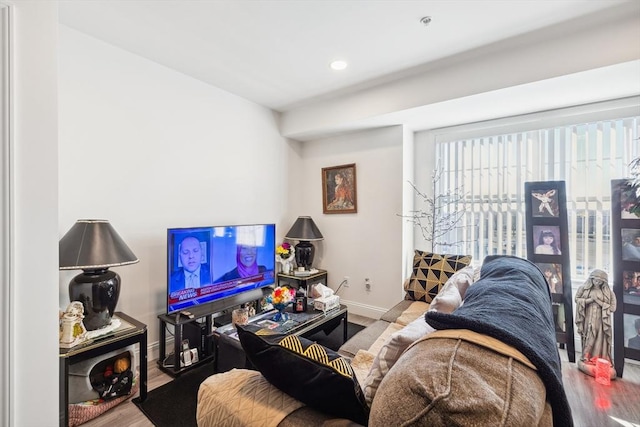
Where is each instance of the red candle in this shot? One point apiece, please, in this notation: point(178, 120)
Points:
point(602, 371)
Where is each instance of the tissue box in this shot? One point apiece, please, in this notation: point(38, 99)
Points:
point(326, 303)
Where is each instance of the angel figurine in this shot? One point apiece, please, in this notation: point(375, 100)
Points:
point(72, 330)
point(546, 199)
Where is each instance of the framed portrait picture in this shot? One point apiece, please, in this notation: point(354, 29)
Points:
point(631, 282)
point(546, 240)
point(629, 200)
point(553, 275)
point(632, 331)
point(544, 202)
point(339, 191)
point(631, 286)
point(630, 244)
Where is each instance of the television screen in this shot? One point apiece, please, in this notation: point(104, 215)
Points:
point(205, 264)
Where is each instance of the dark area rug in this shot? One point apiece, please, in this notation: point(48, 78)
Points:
point(334, 339)
point(174, 404)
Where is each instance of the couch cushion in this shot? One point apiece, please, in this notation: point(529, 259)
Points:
point(430, 272)
point(396, 311)
point(306, 371)
point(363, 339)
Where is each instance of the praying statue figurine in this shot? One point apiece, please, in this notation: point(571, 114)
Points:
point(595, 303)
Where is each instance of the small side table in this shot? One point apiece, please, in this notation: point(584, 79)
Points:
point(302, 282)
point(130, 332)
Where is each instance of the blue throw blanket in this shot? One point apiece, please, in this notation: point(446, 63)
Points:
point(512, 303)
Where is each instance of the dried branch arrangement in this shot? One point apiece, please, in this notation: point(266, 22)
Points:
point(441, 214)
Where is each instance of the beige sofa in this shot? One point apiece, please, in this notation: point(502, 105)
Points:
point(495, 356)
point(245, 398)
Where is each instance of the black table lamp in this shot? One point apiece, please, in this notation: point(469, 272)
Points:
point(306, 231)
point(93, 245)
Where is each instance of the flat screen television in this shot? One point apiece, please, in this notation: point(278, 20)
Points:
point(206, 264)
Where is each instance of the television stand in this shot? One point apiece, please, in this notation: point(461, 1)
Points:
point(197, 327)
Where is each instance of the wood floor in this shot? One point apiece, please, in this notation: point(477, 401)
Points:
point(593, 405)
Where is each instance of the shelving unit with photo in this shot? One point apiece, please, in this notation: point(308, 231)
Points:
point(548, 248)
point(625, 238)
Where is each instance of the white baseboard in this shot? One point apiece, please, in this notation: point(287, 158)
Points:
point(365, 310)
point(153, 350)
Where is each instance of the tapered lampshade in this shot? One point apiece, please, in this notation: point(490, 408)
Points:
point(93, 246)
point(306, 231)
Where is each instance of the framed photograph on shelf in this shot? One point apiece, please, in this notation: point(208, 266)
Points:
point(631, 287)
point(553, 274)
point(546, 240)
point(629, 200)
point(632, 331)
point(630, 244)
point(339, 191)
point(545, 202)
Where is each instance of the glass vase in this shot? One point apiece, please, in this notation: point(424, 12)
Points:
point(281, 316)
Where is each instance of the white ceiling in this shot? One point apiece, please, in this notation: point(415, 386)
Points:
point(277, 53)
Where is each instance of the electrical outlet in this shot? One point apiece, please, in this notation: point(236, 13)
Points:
point(367, 284)
point(346, 281)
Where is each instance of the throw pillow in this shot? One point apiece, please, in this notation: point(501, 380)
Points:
point(390, 352)
point(430, 272)
point(452, 293)
point(307, 371)
point(448, 299)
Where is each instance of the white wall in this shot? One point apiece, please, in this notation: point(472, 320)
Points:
point(34, 224)
point(149, 148)
point(366, 244)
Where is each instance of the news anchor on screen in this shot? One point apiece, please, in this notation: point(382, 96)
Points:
point(194, 271)
point(246, 264)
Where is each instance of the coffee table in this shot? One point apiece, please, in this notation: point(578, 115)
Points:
point(229, 353)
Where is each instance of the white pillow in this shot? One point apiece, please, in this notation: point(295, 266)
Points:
point(390, 352)
point(452, 293)
point(448, 299)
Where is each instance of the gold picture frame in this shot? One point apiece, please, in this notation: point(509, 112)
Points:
point(339, 191)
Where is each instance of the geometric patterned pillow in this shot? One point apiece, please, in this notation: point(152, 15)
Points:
point(430, 273)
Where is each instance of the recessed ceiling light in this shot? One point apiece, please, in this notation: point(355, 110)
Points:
point(338, 65)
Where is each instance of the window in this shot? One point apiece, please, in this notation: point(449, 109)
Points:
point(491, 172)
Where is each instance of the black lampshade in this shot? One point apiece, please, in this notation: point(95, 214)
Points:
point(94, 246)
point(304, 230)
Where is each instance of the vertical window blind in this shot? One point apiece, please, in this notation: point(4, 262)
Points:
point(491, 172)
